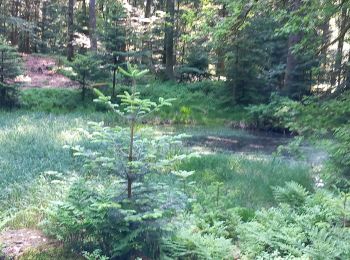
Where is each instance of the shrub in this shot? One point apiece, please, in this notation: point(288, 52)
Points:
point(313, 229)
point(51, 100)
point(127, 216)
point(10, 67)
point(189, 243)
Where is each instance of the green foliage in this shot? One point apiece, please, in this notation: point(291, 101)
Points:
point(259, 173)
point(313, 119)
point(57, 253)
point(30, 144)
point(87, 68)
point(52, 100)
point(95, 255)
point(276, 115)
point(190, 243)
point(293, 194)
point(98, 212)
point(10, 61)
point(308, 226)
point(10, 67)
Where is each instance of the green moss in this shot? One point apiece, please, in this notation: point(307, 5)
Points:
point(56, 253)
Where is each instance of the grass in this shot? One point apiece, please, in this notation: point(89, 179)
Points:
point(31, 144)
point(58, 253)
point(203, 103)
point(231, 180)
point(36, 170)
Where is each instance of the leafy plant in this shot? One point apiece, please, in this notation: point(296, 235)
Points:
point(304, 226)
point(10, 67)
point(98, 212)
point(87, 67)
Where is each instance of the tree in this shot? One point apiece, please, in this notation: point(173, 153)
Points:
point(169, 39)
point(87, 69)
point(134, 110)
point(9, 68)
point(290, 77)
point(92, 25)
point(113, 37)
point(70, 23)
point(148, 8)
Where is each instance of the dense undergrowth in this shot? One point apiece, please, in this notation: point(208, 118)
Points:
point(215, 206)
point(229, 197)
point(198, 103)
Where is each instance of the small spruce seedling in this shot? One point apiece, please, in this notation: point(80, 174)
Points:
point(132, 108)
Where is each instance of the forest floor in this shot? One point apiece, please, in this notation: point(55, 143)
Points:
point(39, 72)
point(16, 242)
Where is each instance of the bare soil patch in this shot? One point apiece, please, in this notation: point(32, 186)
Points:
point(39, 72)
point(14, 243)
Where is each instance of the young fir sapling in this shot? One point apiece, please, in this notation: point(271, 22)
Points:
point(133, 108)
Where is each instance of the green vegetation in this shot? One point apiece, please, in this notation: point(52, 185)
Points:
point(10, 67)
point(125, 149)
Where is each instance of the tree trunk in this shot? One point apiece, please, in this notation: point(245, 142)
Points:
point(323, 75)
point(337, 71)
point(85, 18)
point(169, 39)
point(43, 20)
point(70, 23)
point(347, 83)
point(114, 75)
point(131, 157)
point(148, 8)
point(2, 79)
point(292, 60)
point(220, 66)
point(92, 25)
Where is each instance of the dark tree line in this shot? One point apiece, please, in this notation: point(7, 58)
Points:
point(258, 47)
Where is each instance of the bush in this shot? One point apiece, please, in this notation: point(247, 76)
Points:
point(189, 243)
point(100, 213)
point(52, 100)
point(10, 67)
point(314, 229)
point(8, 96)
point(93, 215)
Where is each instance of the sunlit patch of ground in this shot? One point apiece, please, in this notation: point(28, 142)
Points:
point(17, 242)
point(39, 72)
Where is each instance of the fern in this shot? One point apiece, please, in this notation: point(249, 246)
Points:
point(292, 193)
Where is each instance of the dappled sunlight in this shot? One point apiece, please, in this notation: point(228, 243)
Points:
point(69, 137)
point(202, 150)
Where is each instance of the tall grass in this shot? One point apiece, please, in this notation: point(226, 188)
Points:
point(31, 144)
point(243, 180)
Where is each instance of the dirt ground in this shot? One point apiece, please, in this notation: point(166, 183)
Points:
point(39, 72)
point(14, 243)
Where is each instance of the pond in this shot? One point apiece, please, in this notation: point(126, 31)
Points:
point(207, 139)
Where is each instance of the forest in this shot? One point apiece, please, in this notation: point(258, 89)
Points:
point(174, 129)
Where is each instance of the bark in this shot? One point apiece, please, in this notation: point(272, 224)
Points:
point(148, 8)
point(337, 71)
point(292, 60)
point(220, 66)
point(131, 146)
point(347, 83)
point(169, 39)
point(70, 23)
point(114, 75)
point(43, 20)
point(14, 30)
point(322, 77)
point(2, 78)
point(92, 25)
